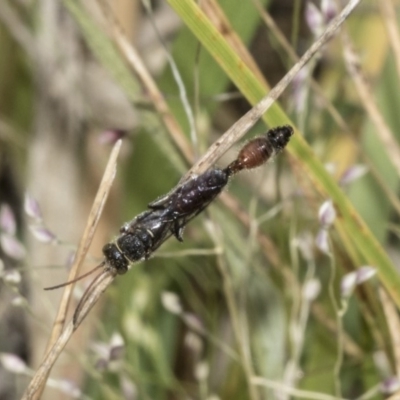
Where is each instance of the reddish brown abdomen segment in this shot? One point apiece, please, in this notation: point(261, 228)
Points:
point(254, 154)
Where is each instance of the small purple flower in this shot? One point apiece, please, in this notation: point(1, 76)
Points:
point(42, 234)
point(101, 364)
point(390, 385)
point(318, 18)
point(117, 347)
point(314, 19)
point(128, 388)
point(32, 208)
point(193, 342)
point(327, 214)
point(111, 136)
point(193, 322)
point(300, 89)
point(304, 242)
point(13, 363)
point(322, 241)
point(7, 220)
point(353, 173)
point(12, 246)
point(69, 388)
point(354, 278)
point(108, 352)
point(365, 273)
point(328, 10)
point(348, 284)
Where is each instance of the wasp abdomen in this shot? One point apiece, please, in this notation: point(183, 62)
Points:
point(259, 150)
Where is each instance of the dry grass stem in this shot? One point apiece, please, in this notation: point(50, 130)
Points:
point(39, 379)
point(213, 11)
point(18, 29)
point(58, 340)
point(279, 387)
point(286, 46)
point(384, 132)
point(392, 318)
point(38, 382)
point(389, 14)
point(242, 126)
point(137, 65)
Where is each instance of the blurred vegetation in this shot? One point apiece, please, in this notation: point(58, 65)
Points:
point(248, 306)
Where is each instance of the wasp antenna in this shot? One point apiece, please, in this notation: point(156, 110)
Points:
point(76, 279)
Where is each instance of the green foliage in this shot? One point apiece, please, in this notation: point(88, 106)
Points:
point(247, 326)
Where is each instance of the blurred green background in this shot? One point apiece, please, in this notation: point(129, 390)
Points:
point(248, 306)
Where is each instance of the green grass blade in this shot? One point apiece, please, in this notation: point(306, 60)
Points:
point(348, 218)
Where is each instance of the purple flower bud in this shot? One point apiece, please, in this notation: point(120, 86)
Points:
point(314, 19)
point(382, 363)
point(128, 388)
point(353, 173)
point(12, 247)
point(32, 208)
point(101, 364)
point(117, 353)
point(117, 347)
point(193, 322)
point(13, 363)
point(304, 242)
point(300, 90)
point(328, 10)
point(194, 343)
point(7, 220)
point(390, 385)
point(322, 242)
point(327, 214)
point(102, 349)
point(111, 136)
point(42, 234)
point(69, 388)
point(349, 282)
point(365, 273)
point(352, 279)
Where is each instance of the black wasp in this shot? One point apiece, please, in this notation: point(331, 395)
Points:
point(169, 214)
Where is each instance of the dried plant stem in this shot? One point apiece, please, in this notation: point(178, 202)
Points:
point(137, 65)
point(384, 132)
point(18, 29)
point(37, 384)
point(390, 20)
point(238, 130)
point(393, 321)
point(213, 10)
point(287, 47)
point(84, 244)
point(279, 387)
point(242, 126)
point(40, 377)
